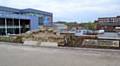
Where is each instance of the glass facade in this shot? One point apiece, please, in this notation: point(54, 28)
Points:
point(16, 21)
point(13, 26)
point(41, 20)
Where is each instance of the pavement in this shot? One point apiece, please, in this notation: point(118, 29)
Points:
point(18, 55)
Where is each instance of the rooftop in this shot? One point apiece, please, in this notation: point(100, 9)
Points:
point(27, 10)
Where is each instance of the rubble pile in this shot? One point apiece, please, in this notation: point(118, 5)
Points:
point(44, 35)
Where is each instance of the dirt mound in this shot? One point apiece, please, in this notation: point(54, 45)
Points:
point(44, 34)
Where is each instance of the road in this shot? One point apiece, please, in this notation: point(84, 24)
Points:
point(109, 35)
point(15, 55)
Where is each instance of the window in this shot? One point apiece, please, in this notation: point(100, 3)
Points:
point(41, 20)
point(2, 22)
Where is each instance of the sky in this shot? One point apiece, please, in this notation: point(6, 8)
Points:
point(70, 10)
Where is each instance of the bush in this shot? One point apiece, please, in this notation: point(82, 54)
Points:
point(16, 39)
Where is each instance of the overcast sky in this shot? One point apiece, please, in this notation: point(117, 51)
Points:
point(70, 10)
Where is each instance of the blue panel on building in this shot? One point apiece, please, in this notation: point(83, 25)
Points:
point(34, 22)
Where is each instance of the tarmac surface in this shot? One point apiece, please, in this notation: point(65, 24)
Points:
point(17, 55)
point(109, 35)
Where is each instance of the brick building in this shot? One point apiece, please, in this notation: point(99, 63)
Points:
point(108, 23)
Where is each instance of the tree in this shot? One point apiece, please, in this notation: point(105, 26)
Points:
point(89, 25)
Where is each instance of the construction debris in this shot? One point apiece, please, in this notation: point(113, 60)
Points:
point(44, 35)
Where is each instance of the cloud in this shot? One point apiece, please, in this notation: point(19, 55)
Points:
point(70, 10)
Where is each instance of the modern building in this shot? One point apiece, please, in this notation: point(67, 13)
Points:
point(108, 23)
point(16, 21)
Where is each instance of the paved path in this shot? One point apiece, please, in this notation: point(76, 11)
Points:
point(13, 55)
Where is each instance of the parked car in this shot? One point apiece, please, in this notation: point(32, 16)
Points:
point(81, 32)
point(101, 31)
point(118, 33)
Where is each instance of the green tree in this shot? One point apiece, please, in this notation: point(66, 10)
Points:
point(89, 25)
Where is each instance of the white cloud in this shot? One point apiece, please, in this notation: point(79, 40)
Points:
point(71, 10)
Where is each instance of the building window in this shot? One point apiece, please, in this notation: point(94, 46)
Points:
point(2, 22)
point(41, 20)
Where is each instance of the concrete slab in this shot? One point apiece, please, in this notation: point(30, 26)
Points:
point(49, 44)
point(31, 43)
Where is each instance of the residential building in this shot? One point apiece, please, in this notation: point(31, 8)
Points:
point(108, 23)
point(17, 21)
